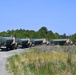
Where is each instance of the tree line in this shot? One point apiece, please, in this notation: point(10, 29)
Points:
point(43, 32)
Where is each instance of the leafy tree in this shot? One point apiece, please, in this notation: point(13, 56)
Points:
point(43, 29)
point(73, 38)
point(57, 35)
point(43, 32)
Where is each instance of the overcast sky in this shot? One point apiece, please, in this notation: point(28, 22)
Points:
point(57, 15)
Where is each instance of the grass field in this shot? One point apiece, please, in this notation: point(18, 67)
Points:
point(44, 60)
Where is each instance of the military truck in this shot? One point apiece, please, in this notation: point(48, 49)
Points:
point(6, 43)
point(23, 42)
point(60, 42)
point(38, 41)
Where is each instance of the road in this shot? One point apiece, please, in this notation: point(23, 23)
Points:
point(3, 59)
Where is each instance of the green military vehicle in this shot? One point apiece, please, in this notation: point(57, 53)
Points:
point(6, 43)
point(59, 41)
point(39, 41)
point(23, 42)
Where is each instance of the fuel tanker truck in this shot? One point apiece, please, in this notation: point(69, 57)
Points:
point(6, 43)
point(23, 42)
point(39, 41)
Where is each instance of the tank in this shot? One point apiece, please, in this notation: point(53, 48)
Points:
point(5, 42)
point(23, 42)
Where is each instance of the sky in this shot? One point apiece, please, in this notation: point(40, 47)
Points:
point(56, 15)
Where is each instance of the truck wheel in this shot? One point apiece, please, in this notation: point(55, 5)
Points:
point(12, 47)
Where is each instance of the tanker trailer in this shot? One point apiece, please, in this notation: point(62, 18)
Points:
point(23, 43)
point(37, 42)
point(6, 43)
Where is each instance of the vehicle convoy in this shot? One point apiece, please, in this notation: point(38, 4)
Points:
point(6, 43)
point(11, 43)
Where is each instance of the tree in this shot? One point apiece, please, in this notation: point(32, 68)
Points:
point(42, 32)
point(73, 38)
point(43, 29)
point(50, 35)
point(57, 36)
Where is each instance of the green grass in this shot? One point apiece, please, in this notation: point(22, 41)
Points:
point(59, 61)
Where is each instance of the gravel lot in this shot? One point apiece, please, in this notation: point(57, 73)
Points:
point(3, 59)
